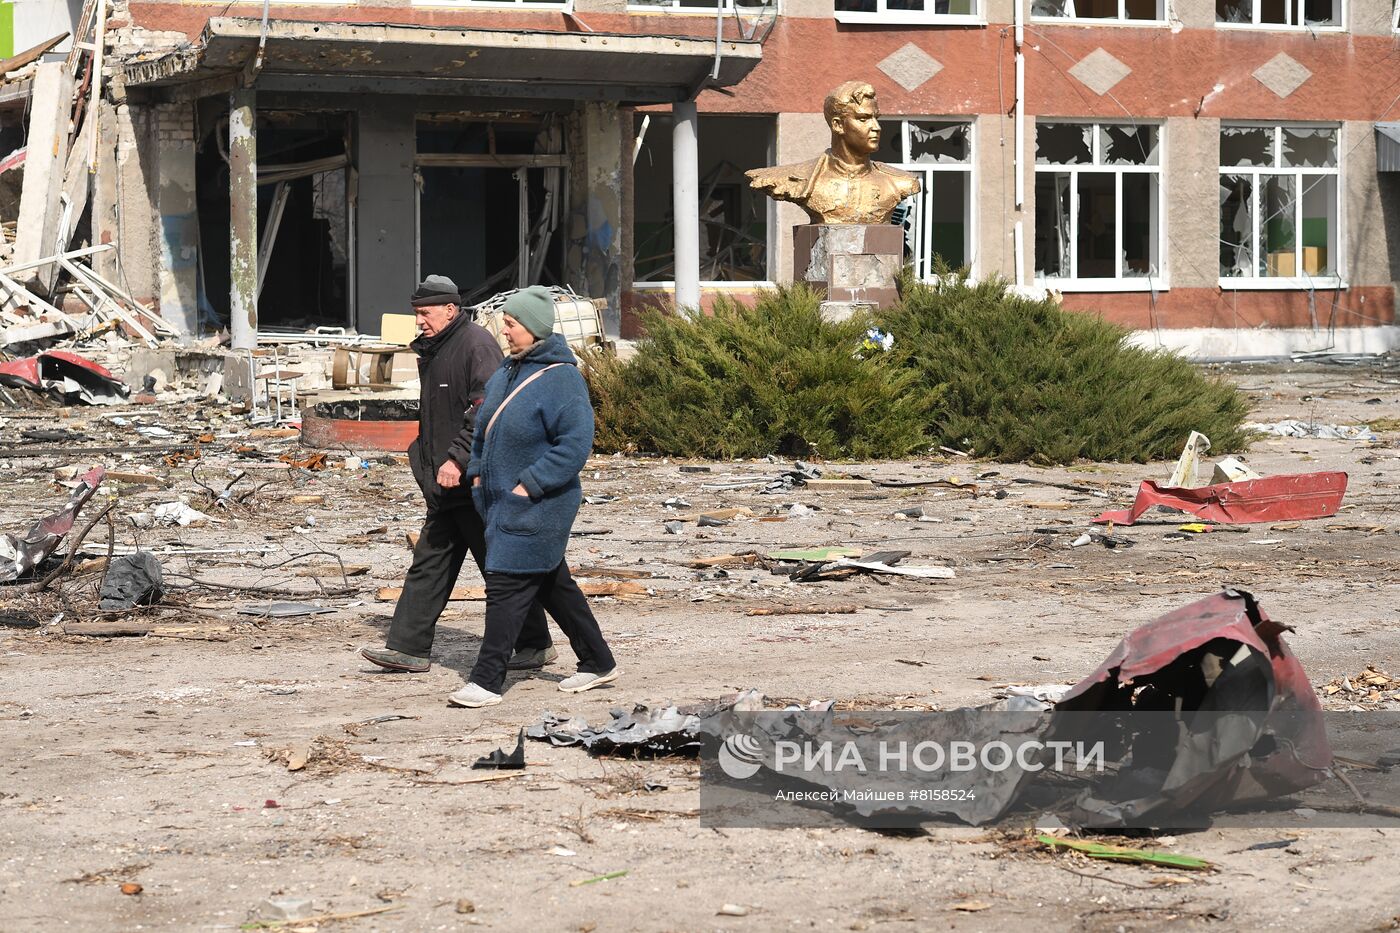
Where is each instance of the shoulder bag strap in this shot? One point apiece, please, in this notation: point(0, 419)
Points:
point(518, 389)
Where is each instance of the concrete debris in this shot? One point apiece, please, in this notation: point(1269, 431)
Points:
point(1295, 428)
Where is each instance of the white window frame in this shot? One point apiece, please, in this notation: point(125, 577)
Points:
point(1120, 20)
point(923, 206)
point(669, 285)
point(887, 17)
point(674, 7)
point(1303, 282)
point(1395, 17)
point(1295, 7)
point(1157, 279)
point(564, 6)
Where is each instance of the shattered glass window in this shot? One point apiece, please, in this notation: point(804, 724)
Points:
point(1139, 225)
point(1246, 145)
point(1103, 222)
point(938, 221)
point(1063, 143)
point(1309, 146)
point(917, 9)
point(931, 141)
point(1279, 205)
point(1280, 13)
point(1098, 9)
point(1128, 145)
point(1319, 230)
point(1052, 217)
point(1234, 11)
point(1236, 225)
point(1322, 12)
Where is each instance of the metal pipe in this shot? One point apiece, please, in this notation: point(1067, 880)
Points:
point(243, 219)
point(685, 190)
point(522, 240)
point(1019, 158)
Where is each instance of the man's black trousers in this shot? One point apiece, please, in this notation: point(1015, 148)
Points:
point(447, 536)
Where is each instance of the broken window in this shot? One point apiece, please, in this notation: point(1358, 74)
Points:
point(1280, 14)
point(733, 218)
point(1097, 201)
point(485, 219)
point(1278, 214)
point(903, 11)
point(938, 220)
point(1150, 10)
point(1063, 143)
point(679, 4)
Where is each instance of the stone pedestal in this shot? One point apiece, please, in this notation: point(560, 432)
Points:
point(856, 265)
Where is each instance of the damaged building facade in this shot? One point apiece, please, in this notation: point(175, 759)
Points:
point(1219, 176)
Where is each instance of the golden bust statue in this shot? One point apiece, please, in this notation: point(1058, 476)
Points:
point(843, 185)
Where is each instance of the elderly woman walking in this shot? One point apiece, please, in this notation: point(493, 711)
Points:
point(534, 434)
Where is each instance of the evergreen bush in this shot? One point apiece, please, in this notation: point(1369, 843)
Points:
point(1025, 380)
point(748, 382)
point(972, 367)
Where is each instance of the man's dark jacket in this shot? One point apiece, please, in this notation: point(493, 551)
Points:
point(452, 371)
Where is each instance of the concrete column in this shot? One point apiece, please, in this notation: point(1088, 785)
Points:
point(386, 212)
point(179, 217)
point(1191, 176)
point(801, 136)
point(243, 219)
point(593, 261)
point(50, 112)
point(131, 223)
point(104, 190)
point(685, 192)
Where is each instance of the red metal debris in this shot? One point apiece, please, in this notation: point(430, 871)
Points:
point(66, 375)
point(1272, 499)
point(1223, 769)
point(19, 556)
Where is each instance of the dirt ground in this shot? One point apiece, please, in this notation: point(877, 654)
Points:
point(155, 760)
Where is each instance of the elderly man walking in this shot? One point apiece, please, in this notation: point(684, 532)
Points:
point(455, 359)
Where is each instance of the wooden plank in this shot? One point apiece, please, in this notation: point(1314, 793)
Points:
point(106, 629)
point(28, 56)
point(478, 593)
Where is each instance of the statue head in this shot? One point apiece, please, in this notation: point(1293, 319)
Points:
point(854, 118)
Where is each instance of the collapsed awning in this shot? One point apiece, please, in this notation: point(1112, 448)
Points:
point(1388, 147)
point(365, 58)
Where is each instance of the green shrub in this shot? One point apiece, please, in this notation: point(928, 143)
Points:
point(747, 382)
point(1024, 380)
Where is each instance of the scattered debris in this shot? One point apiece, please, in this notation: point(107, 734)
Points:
point(20, 556)
point(1187, 471)
point(283, 610)
point(67, 377)
point(501, 761)
point(1102, 850)
point(1233, 470)
point(1275, 498)
point(1296, 428)
point(132, 580)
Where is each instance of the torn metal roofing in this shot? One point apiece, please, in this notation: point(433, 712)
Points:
point(382, 58)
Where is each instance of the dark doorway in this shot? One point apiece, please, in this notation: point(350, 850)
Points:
point(305, 222)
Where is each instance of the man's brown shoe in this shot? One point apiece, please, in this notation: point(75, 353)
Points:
point(396, 660)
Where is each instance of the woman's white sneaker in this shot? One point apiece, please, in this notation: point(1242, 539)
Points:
point(585, 681)
point(472, 697)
